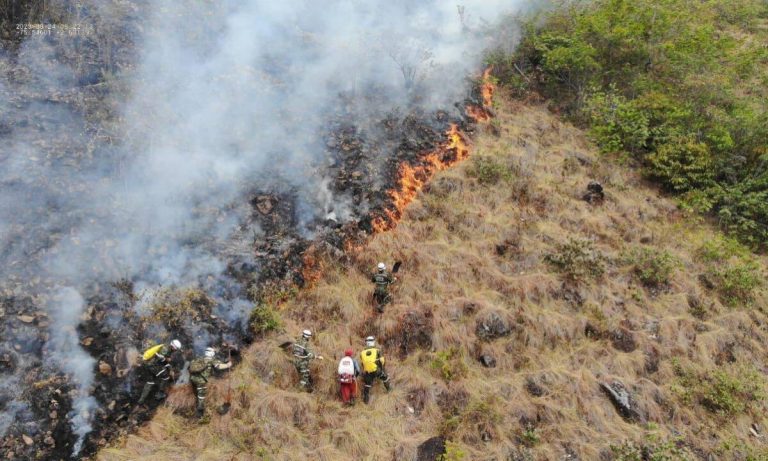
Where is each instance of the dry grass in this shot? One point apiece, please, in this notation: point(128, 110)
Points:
point(471, 248)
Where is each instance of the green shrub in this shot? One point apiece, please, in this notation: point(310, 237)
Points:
point(681, 164)
point(653, 267)
point(725, 391)
point(264, 319)
point(488, 171)
point(650, 451)
point(449, 364)
point(529, 436)
point(731, 270)
point(732, 393)
point(578, 260)
point(453, 452)
point(687, 99)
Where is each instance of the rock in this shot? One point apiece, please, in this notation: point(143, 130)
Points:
point(488, 361)
point(105, 368)
point(26, 318)
point(491, 326)
point(534, 388)
point(49, 440)
point(431, 450)
point(27, 439)
point(595, 194)
point(593, 331)
point(623, 340)
point(623, 401)
point(87, 341)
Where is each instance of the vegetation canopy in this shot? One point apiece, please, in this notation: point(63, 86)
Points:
point(675, 85)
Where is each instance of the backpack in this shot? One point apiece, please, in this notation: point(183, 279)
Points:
point(198, 366)
point(151, 352)
point(370, 359)
point(346, 367)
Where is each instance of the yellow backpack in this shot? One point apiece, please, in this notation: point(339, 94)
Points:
point(151, 352)
point(369, 357)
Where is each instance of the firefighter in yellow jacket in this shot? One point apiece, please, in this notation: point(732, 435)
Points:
point(373, 367)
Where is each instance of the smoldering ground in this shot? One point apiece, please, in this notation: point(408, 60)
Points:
point(134, 150)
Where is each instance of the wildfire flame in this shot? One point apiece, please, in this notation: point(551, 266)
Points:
point(483, 114)
point(412, 178)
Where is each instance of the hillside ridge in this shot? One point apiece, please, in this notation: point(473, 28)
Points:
point(520, 308)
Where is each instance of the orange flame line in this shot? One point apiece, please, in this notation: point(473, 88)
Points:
point(483, 114)
point(412, 178)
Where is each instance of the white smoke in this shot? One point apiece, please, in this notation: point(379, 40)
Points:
point(226, 96)
point(63, 352)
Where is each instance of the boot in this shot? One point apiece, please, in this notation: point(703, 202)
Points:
point(387, 386)
point(366, 394)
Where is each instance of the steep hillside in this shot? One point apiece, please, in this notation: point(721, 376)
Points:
point(517, 299)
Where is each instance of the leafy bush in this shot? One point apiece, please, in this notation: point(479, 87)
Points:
point(529, 436)
point(488, 171)
point(578, 260)
point(449, 364)
point(687, 99)
point(652, 451)
point(725, 391)
point(731, 270)
point(731, 394)
point(453, 452)
point(652, 267)
point(264, 319)
point(681, 164)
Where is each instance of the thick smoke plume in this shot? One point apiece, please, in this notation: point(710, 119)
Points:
point(220, 99)
point(63, 352)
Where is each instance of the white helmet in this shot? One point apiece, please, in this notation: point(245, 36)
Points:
point(381, 266)
point(306, 334)
point(176, 344)
point(370, 341)
point(210, 352)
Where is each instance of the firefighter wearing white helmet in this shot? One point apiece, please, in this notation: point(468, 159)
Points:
point(302, 355)
point(373, 367)
point(382, 280)
point(200, 371)
point(158, 369)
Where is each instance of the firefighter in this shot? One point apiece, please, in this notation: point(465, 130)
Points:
point(348, 372)
point(200, 371)
point(373, 367)
point(302, 356)
point(382, 280)
point(158, 368)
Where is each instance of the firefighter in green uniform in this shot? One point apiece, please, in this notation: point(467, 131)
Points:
point(200, 371)
point(302, 356)
point(158, 367)
point(382, 279)
point(373, 367)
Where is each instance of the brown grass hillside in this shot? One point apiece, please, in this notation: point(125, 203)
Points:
point(629, 290)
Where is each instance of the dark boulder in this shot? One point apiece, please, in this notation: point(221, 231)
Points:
point(491, 326)
point(595, 194)
point(488, 361)
point(621, 398)
point(431, 450)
